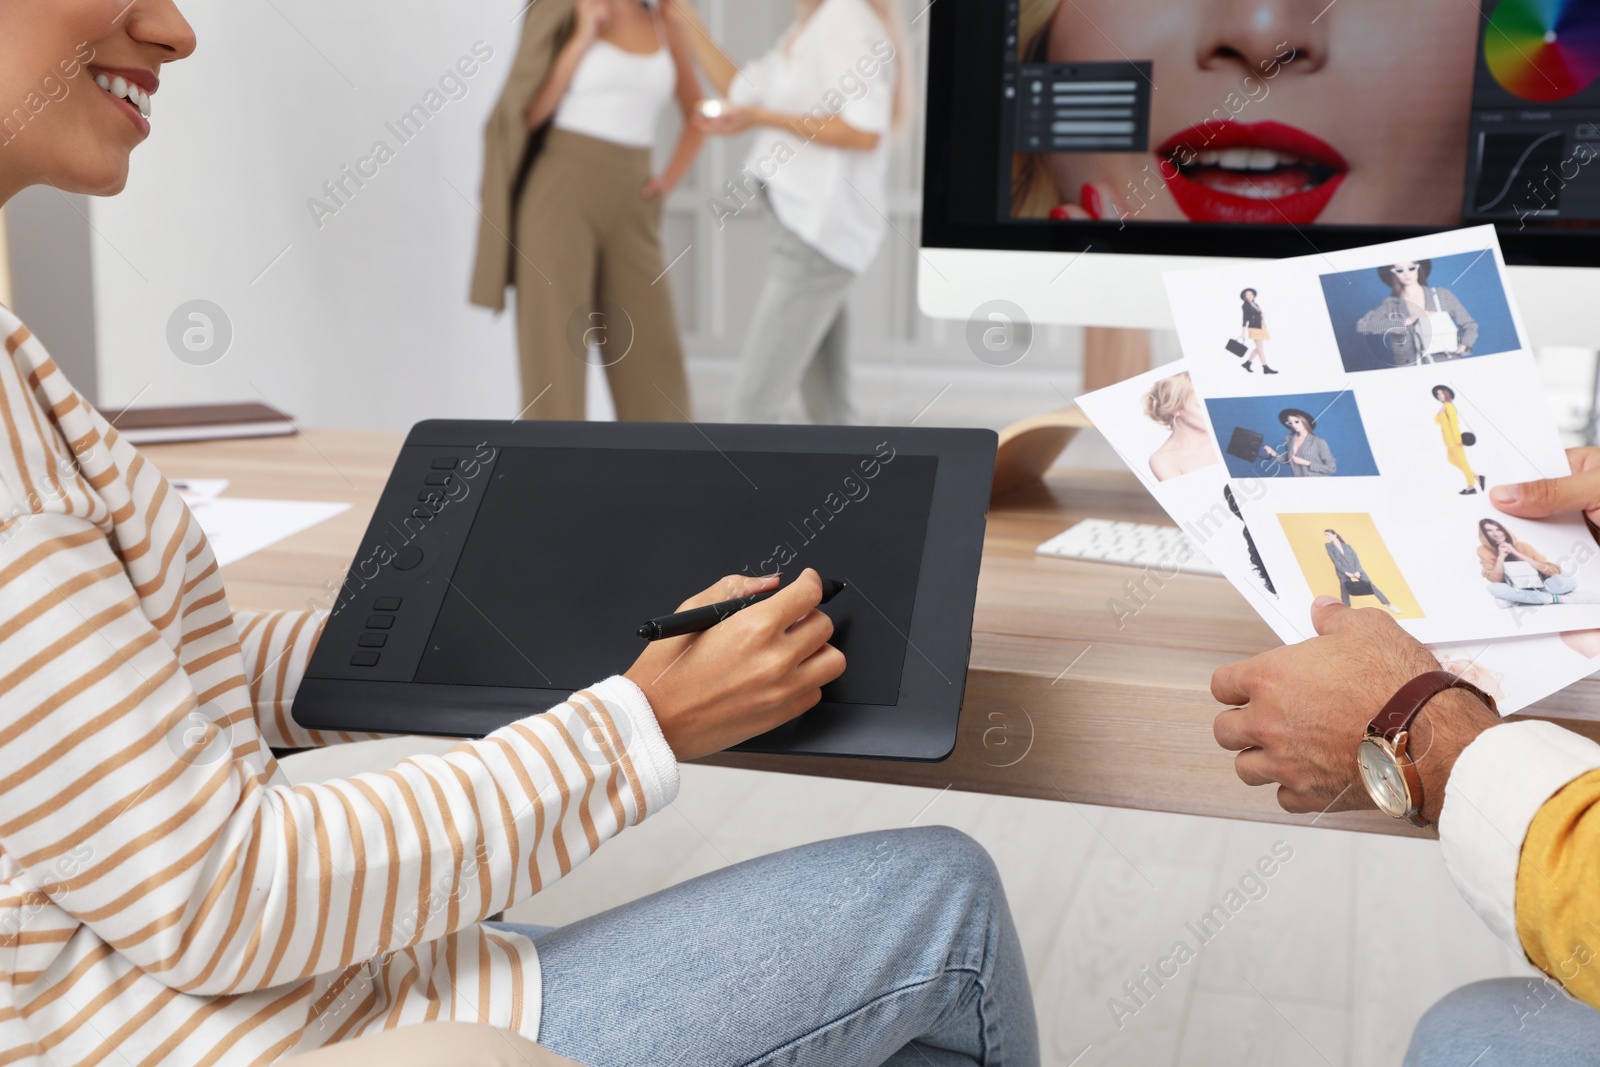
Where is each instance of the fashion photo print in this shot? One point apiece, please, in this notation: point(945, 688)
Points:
point(1420, 310)
point(1293, 435)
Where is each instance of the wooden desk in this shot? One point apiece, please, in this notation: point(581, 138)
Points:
point(1061, 703)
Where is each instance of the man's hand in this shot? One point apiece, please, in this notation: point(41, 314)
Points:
point(746, 675)
point(1556, 496)
point(1299, 711)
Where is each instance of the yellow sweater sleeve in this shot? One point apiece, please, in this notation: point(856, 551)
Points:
point(1558, 889)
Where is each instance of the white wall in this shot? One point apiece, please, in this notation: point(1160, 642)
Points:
point(364, 322)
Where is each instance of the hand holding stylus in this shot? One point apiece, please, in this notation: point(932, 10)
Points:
point(751, 673)
point(698, 620)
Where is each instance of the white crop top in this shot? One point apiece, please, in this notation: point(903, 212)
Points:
point(617, 95)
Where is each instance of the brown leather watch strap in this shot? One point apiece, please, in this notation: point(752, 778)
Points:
point(1396, 716)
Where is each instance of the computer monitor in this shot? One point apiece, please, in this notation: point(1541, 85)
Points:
point(1078, 148)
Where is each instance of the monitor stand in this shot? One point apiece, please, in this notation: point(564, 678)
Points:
point(1029, 448)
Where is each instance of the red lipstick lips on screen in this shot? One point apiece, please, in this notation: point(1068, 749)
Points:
point(1258, 172)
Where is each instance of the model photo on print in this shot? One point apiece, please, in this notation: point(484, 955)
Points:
point(1190, 446)
point(1296, 435)
point(1419, 311)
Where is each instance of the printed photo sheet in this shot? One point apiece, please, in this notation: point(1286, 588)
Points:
point(1363, 404)
point(1177, 458)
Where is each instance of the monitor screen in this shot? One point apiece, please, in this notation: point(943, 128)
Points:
point(590, 573)
point(1201, 128)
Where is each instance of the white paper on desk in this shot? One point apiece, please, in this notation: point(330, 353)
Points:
point(195, 490)
point(237, 527)
point(1394, 495)
point(1516, 671)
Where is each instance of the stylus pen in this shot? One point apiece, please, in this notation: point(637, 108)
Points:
point(696, 620)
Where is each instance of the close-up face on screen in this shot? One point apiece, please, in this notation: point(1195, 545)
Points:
point(1419, 113)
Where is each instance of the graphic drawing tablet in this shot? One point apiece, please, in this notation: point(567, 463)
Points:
point(510, 564)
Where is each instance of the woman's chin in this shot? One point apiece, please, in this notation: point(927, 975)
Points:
point(107, 178)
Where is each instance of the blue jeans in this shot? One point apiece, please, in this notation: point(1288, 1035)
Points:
point(886, 948)
point(1506, 1022)
point(1559, 585)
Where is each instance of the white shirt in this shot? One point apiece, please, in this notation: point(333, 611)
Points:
point(617, 95)
point(1498, 784)
point(839, 62)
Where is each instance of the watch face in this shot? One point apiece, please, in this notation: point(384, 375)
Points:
point(1382, 777)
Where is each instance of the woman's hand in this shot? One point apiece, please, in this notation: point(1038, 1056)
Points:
point(734, 119)
point(657, 188)
point(1269, 450)
point(746, 675)
point(593, 17)
point(1504, 550)
point(1303, 461)
point(1095, 201)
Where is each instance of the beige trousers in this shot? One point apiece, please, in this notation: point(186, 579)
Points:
point(442, 1044)
point(591, 286)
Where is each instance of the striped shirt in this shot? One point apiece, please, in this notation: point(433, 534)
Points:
point(166, 896)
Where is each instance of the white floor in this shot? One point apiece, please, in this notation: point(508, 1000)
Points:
point(1353, 938)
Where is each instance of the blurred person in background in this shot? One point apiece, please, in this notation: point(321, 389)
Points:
point(823, 103)
point(572, 211)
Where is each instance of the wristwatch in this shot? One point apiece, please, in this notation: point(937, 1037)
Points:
point(1387, 769)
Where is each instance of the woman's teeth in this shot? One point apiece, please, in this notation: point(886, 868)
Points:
point(121, 87)
point(1248, 159)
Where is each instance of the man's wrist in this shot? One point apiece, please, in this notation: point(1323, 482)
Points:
point(1444, 727)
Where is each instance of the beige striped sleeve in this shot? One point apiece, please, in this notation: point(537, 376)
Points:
point(277, 648)
point(207, 873)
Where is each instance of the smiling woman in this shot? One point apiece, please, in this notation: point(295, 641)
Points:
point(93, 126)
point(1354, 112)
point(168, 896)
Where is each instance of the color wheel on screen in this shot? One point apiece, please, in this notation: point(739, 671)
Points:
point(1544, 50)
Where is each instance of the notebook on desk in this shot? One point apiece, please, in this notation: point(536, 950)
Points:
point(198, 422)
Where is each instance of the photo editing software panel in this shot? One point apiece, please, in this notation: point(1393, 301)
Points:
point(1418, 115)
point(1535, 137)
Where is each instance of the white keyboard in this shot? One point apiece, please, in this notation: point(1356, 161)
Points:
point(1136, 544)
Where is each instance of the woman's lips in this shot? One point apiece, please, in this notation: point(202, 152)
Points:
point(1257, 172)
point(130, 91)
